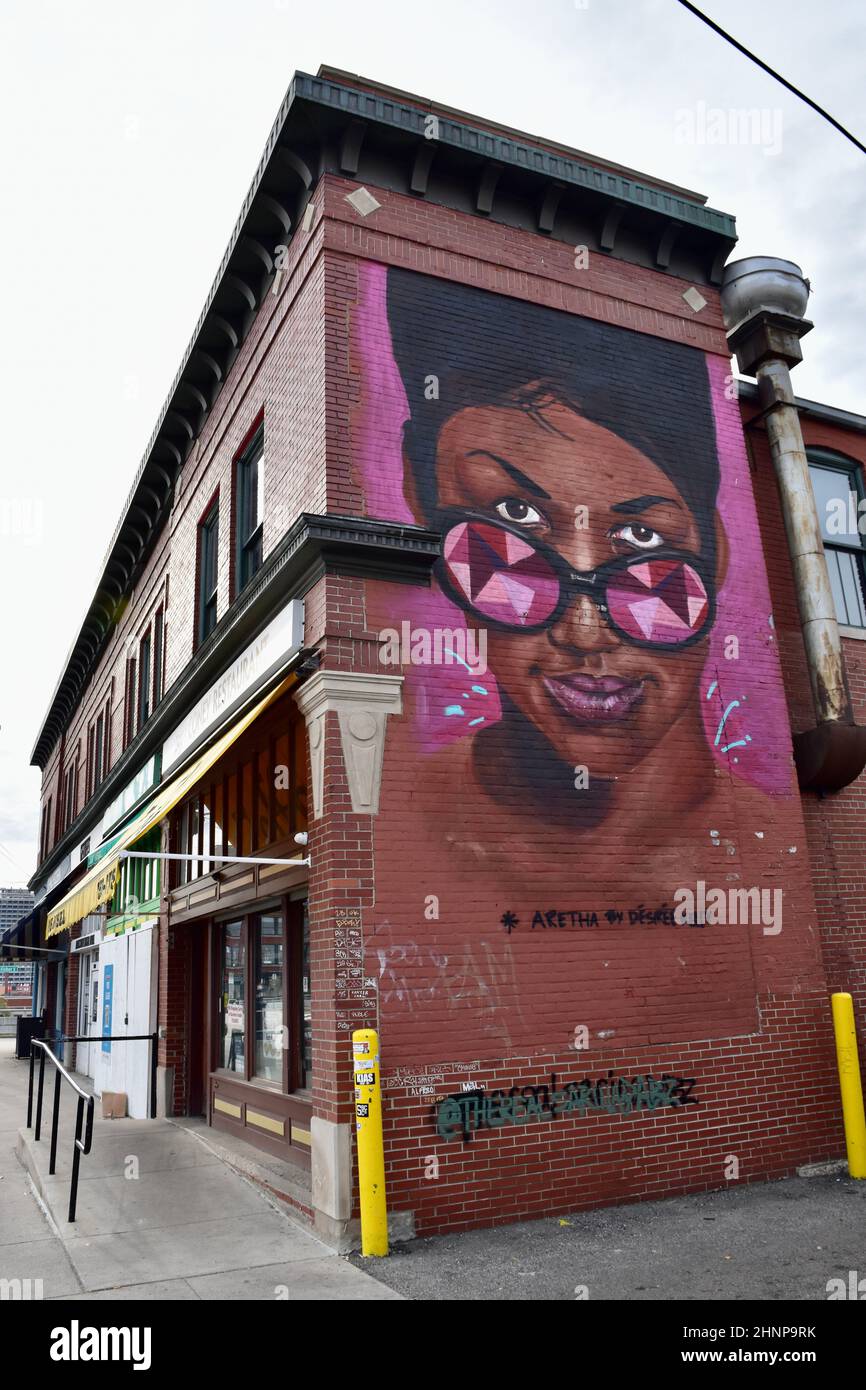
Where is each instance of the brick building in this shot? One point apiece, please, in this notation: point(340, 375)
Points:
point(405, 725)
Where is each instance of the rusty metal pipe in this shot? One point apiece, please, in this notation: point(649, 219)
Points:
point(811, 578)
point(764, 300)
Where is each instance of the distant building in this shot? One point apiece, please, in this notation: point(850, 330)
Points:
point(15, 903)
point(16, 976)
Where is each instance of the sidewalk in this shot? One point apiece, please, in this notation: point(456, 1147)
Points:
point(768, 1241)
point(160, 1216)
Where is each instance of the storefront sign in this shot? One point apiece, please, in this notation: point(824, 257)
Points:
point(272, 649)
point(145, 778)
point(107, 1001)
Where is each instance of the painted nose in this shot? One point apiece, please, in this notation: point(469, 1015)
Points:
point(583, 627)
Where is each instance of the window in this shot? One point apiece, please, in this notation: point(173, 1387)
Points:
point(138, 884)
point(841, 508)
point(70, 792)
point(129, 704)
point(144, 680)
point(208, 547)
point(250, 496)
point(98, 749)
point(270, 963)
point(45, 830)
point(263, 1007)
point(158, 642)
point(232, 1021)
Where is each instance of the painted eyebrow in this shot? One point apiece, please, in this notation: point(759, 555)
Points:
point(520, 478)
point(642, 504)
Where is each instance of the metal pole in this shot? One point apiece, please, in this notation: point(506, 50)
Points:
point(371, 1148)
point(153, 1058)
point(808, 561)
point(30, 1085)
point(55, 1122)
point(39, 1094)
point(849, 1083)
point(76, 1159)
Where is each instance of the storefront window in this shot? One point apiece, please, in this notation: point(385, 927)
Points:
point(269, 997)
point(232, 998)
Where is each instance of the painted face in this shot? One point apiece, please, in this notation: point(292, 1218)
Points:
point(618, 661)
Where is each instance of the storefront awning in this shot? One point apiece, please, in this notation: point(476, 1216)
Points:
point(98, 885)
point(21, 943)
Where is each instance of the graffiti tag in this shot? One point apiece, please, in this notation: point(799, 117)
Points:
point(467, 1111)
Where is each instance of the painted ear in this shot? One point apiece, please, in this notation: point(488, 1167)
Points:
point(723, 551)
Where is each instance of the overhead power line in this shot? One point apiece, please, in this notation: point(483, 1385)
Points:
point(778, 76)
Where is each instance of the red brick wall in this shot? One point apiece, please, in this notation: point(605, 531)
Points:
point(461, 1001)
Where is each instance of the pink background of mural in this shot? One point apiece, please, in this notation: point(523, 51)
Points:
point(762, 757)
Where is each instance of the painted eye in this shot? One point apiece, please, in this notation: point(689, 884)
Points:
point(515, 510)
point(640, 537)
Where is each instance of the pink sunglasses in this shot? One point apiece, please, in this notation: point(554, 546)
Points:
point(513, 581)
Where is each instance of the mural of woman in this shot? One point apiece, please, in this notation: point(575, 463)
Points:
point(572, 470)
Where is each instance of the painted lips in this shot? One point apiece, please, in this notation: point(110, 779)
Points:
point(595, 699)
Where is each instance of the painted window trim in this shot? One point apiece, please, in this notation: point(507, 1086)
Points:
point(820, 457)
point(252, 450)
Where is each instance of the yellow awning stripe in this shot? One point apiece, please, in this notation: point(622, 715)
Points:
point(98, 885)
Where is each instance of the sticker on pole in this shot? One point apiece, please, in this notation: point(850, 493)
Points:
point(362, 1111)
point(365, 1078)
point(360, 1047)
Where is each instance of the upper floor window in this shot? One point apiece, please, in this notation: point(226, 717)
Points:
point(250, 515)
point(70, 792)
point(45, 830)
point(144, 680)
point(158, 654)
point(841, 505)
point(208, 548)
point(129, 702)
point(98, 748)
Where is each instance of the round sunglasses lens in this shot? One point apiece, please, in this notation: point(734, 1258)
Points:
point(500, 575)
point(663, 601)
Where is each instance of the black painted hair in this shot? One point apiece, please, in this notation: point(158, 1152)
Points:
point(486, 349)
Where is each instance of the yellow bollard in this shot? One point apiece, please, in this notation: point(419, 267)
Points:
point(371, 1147)
point(849, 1083)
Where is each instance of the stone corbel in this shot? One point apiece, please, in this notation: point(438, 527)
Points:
point(362, 704)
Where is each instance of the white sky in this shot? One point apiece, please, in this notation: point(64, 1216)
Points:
point(132, 129)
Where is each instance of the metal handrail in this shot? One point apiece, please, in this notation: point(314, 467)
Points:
point(152, 1038)
point(85, 1101)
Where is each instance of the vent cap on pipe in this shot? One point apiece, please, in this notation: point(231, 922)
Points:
point(762, 282)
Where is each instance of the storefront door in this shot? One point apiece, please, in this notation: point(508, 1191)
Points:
point(261, 1028)
point(88, 1010)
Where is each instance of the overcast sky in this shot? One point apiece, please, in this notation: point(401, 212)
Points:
point(132, 129)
